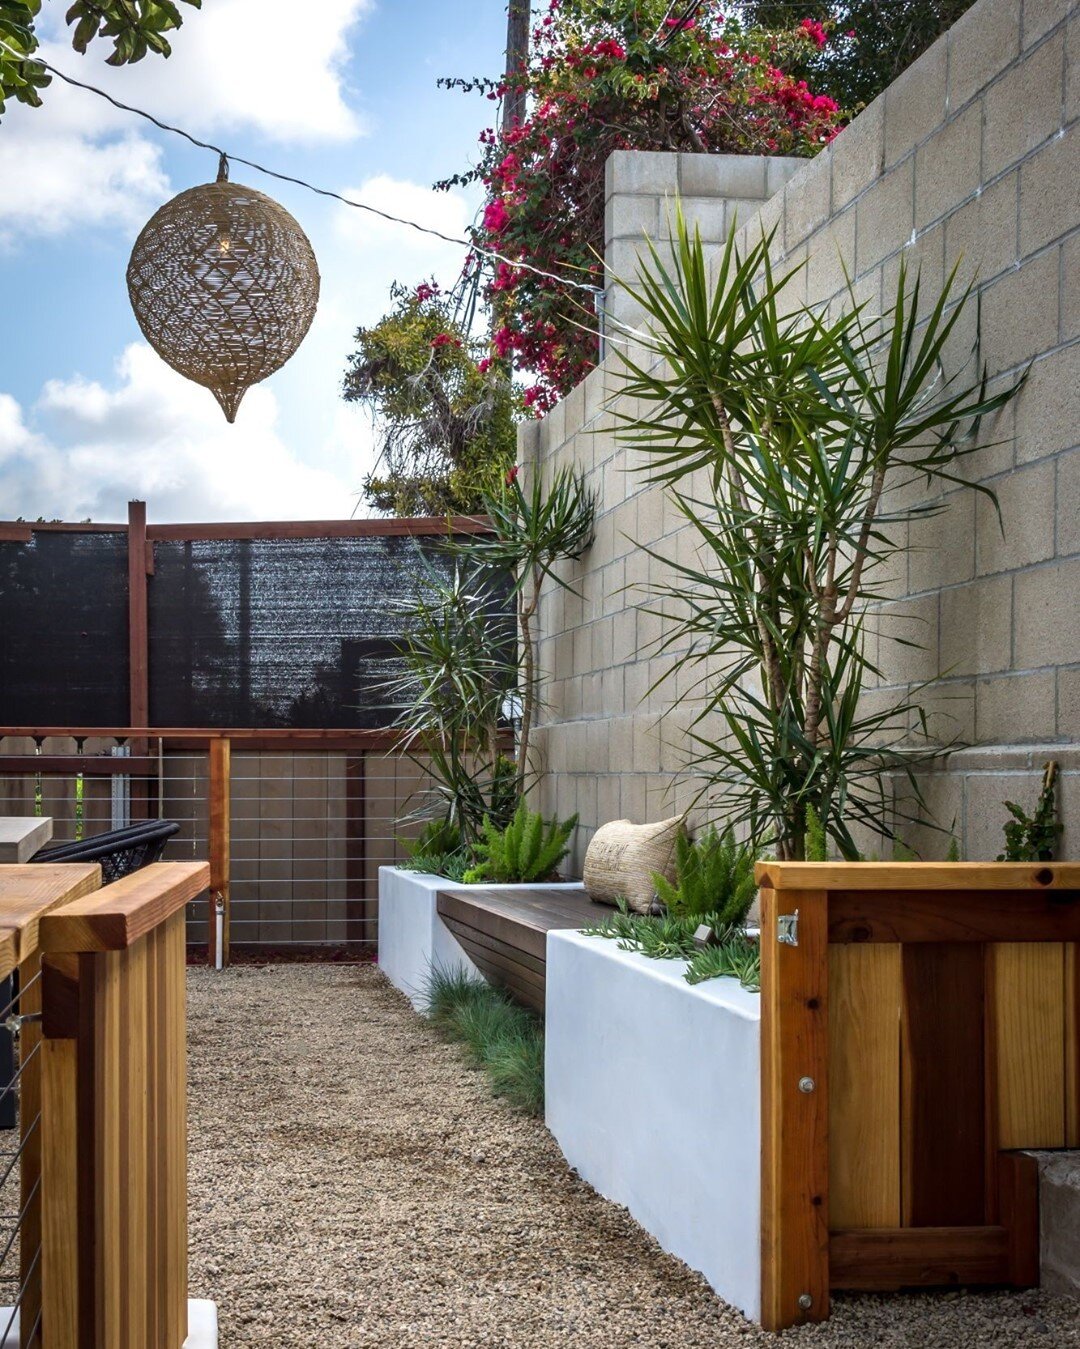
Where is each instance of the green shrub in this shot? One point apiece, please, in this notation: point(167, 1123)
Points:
point(731, 953)
point(437, 839)
point(739, 957)
point(502, 1038)
point(1033, 838)
point(451, 865)
point(528, 849)
point(714, 877)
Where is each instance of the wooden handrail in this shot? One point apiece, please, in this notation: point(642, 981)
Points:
point(116, 917)
point(27, 893)
point(935, 876)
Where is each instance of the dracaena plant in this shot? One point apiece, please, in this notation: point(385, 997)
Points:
point(778, 431)
point(457, 666)
point(533, 529)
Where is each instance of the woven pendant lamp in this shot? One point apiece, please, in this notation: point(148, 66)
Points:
point(224, 285)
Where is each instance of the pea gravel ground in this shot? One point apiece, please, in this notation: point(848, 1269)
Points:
point(354, 1184)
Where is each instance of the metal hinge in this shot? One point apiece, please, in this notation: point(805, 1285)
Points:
point(787, 928)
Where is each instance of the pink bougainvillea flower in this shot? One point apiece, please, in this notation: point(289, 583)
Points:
point(484, 366)
point(496, 216)
point(813, 30)
point(425, 292)
point(512, 475)
point(445, 340)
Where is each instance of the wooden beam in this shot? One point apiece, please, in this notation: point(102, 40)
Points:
point(888, 1259)
point(944, 1097)
point(114, 918)
point(69, 765)
point(358, 910)
point(220, 810)
point(20, 531)
point(794, 1112)
point(858, 877)
point(975, 916)
point(138, 652)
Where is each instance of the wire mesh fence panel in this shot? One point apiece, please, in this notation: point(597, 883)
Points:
point(309, 829)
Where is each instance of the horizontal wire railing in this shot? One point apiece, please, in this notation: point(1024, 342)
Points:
point(309, 830)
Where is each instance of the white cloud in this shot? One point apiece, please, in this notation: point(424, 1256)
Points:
point(250, 64)
point(79, 162)
point(156, 436)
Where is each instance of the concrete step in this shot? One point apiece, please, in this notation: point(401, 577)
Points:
point(1059, 1222)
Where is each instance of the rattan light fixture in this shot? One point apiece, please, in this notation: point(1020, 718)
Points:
point(224, 284)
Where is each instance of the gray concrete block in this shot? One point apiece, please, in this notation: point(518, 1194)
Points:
point(915, 102)
point(652, 172)
point(1059, 1222)
point(1050, 192)
point(858, 154)
point(947, 167)
point(1023, 108)
point(981, 44)
point(722, 175)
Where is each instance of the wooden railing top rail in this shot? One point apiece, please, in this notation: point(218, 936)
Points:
point(918, 875)
point(119, 915)
point(29, 892)
point(21, 531)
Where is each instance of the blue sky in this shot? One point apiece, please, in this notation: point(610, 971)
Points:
point(89, 416)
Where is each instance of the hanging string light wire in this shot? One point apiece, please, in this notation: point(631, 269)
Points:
point(473, 247)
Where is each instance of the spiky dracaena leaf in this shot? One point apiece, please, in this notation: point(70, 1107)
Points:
point(528, 849)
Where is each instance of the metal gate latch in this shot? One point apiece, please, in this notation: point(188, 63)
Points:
point(787, 928)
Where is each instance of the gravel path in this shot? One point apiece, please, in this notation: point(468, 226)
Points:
point(353, 1184)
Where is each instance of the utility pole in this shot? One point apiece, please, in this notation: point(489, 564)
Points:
point(517, 52)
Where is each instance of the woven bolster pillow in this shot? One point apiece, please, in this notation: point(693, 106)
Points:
point(622, 857)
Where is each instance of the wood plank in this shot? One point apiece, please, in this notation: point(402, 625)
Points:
point(943, 1094)
point(1072, 1045)
point(993, 915)
point(22, 835)
point(1029, 1018)
point(795, 1122)
point(865, 994)
point(30, 1140)
point(171, 1057)
point(30, 891)
point(219, 825)
point(59, 1193)
point(121, 913)
point(1018, 1205)
point(886, 1260)
point(919, 875)
point(477, 937)
point(138, 640)
point(67, 765)
point(437, 525)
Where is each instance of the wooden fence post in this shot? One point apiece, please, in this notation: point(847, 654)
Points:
point(794, 1109)
point(220, 814)
point(139, 567)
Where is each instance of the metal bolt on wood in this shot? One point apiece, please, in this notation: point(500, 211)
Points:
point(806, 1085)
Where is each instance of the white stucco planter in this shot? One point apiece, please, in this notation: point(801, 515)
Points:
point(413, 938)
point(652, 1091)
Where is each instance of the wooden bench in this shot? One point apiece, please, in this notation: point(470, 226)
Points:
point(504, 931)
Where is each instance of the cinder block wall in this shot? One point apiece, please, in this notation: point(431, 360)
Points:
point(717, 193)
point(972, 154)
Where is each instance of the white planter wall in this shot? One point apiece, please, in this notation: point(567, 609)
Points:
point(413, 938)
point(652, 1089)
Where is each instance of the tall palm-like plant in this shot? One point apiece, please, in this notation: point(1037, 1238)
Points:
point(532, 530)
point(778, 429)
point(458, 666)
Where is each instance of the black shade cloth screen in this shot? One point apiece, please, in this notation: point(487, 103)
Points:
point(242, 632)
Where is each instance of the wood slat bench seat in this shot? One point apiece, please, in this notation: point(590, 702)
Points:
point(504, 931)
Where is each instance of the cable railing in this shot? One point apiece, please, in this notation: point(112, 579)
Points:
point(311, 816)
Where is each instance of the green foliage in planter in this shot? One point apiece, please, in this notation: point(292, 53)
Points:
point(527, 849)
point(1033, 838)
point(739, 957)
point(714, 875)
point(778, 431)
point(452, 865)
point(502, 1038)
point(665, 937)
point(817, 844)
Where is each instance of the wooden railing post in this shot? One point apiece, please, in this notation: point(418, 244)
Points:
point(114, 1245)
point(794, 1108)
point(220, 818)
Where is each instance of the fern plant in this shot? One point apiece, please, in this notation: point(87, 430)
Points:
point(714, 876)
point(528, 849)
point(1033, 838)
